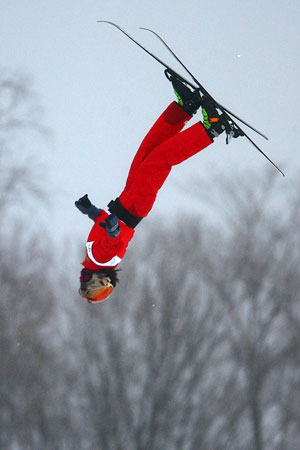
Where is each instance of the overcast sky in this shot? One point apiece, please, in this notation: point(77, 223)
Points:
point(101, 93)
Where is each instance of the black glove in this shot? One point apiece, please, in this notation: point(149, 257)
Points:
point(85, 206)
point(111, 225)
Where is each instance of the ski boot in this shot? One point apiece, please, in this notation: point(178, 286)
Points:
point(215, 123)
point(188, 100)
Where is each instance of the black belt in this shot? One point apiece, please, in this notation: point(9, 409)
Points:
point(115, 207)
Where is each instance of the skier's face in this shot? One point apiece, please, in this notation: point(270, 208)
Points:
point(95, 286)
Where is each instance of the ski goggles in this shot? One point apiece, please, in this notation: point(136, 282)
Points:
point(85, 276)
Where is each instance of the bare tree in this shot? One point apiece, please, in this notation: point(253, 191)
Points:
point(255, 277)
point(26, 298)
point(20, 117)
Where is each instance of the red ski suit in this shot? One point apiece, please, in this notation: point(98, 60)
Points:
point(163, 147)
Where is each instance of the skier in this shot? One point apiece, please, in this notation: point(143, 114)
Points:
point(164, 146)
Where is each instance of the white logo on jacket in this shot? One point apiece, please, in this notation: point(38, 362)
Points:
point(112, 262)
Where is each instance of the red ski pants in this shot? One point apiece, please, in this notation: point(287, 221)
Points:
point(163, 147)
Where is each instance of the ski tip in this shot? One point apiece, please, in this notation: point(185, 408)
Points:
point(110, 23)
point(113, 24)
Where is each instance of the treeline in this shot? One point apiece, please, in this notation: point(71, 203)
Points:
point(198, 348)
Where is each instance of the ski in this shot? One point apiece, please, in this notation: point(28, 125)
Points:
point(180, 76)
point(199, 87)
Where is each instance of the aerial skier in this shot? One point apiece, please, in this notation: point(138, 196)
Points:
point(165, 146)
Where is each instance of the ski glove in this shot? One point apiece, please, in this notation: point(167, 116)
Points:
point(85, 206)
point(111, 226)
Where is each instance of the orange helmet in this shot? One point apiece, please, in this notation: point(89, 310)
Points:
point(95, 286)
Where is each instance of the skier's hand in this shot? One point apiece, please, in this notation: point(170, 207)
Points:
point(85, 206)
point(112, 226)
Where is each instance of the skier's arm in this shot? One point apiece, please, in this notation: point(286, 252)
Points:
point(105, 248)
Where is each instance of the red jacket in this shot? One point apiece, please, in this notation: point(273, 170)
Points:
point(103, 251)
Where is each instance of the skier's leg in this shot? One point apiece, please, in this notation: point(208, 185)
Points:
point(139, 197)
point(171, 122)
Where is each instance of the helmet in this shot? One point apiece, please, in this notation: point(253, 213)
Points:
point(95, 286)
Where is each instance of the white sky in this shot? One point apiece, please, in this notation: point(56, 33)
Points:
point(101, 93)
